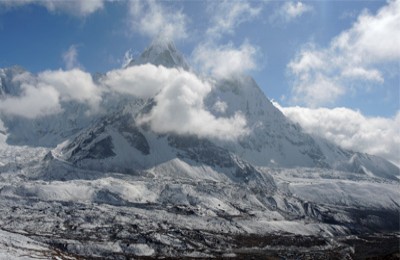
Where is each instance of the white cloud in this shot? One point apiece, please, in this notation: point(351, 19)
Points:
point(226, 15)
point(350, 129)
point(294, 10)
point(34, 102)
point(362, 73)
point(141, 81)
point(24, 77)
point(226, 60)
point(179, 99)
point(180, 109)
point(72, 7)
point(220, 106)
point(70, 58)
point(178, 96)
point(43, 94)
point(153, 19)
point(74, 85)
point(356, 55)
point(289, 11)
point(326, 90)
point(373, 38)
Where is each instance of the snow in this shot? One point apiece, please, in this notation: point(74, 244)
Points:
point(344, 193)
point(94, 184)
point(186, 197)
point(333, 188)
point(162, 52)
point(18, 246)
point(141, 250)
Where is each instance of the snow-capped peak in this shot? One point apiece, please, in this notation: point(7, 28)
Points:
point(162, 52)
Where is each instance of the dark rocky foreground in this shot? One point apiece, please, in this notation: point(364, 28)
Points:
point(94, 231)
point(282, 246)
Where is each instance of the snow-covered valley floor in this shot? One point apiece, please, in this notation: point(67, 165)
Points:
point(49, 208)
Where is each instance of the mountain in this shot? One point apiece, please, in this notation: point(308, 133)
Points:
point(162, 52)
point(107, 186)
point(118, 141)
point(274, 141)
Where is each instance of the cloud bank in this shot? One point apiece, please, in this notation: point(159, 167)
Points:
point(356, 57)
point(72, 85)
point(42, 95)
point(34, 102)
point(178, 97)
point(350, 129)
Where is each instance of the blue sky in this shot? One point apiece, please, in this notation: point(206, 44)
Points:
point(331, 66)
point(35, 36)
